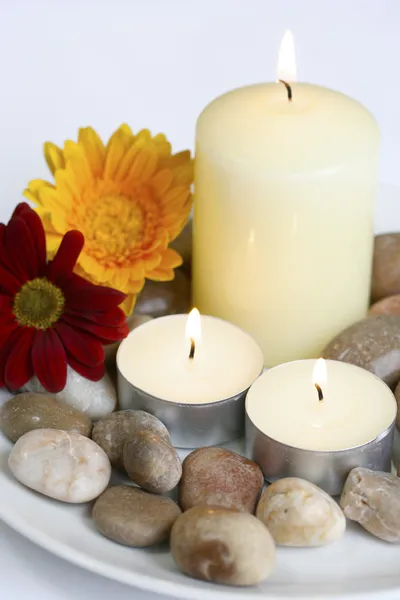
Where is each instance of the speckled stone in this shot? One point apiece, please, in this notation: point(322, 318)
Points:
point(298, 513)
point(183, 245)
point(133, 517)
point(386, 266)
point(222, 545)
point(152, 463)
point(161, 298)
point(94, 398)
point(63, 465)
point(28, 411)
point(219, 477)
point(372, 498)
point(373, 344)
point(386, 306)
point(113, 431)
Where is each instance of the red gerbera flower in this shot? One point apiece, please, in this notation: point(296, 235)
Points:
point(49, 316)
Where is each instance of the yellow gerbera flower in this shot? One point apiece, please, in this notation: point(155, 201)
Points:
point(130, 199)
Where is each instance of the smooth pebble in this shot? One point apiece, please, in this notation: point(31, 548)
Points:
point(112, 431)
point(222, 545)
point(94, 398)
point(28, 411)
point(386, 266)
point(298, 513)
point(373, 344)
point(372, 499)
point(63, 465)
point(161, 298)
point(152, 463)
point(386, 306)
point(219, 477)
point(133, 517)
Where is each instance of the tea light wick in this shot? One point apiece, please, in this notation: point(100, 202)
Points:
point(319, 377)
point(288, 89)
point(192, 349)
point(320, 394)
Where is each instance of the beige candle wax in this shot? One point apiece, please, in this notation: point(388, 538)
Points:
point(283, 223)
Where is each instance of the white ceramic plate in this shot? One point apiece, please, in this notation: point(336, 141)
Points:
point(357, 567)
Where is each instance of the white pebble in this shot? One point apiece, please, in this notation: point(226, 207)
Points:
point(94, 398)
point(63, 465)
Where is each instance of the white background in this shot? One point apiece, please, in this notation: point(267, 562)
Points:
point(156, 64)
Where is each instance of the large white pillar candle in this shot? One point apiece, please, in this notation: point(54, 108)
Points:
point(283, 223)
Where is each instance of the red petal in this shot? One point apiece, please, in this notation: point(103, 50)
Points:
point(113, 317)
point(79, 345)
point(19, 208)
point(7, 345)
point(6, 303)
point(91, 297)
point(9, 281)
point(102, 333)
point(19, 368)
point(35, 226)
point(49, 360)
point(92, 373)
point(20, 249)
point(60, 269)
point(6, 329)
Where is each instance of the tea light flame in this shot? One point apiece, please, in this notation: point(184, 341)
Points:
point(287, 59)
point(193, 330)
point(320, 377)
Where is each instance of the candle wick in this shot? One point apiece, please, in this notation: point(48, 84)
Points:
point(320, 394)
point(192, 349)
point(288, 88)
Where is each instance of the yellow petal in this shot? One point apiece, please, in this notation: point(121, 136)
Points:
point(117, 145)
point(161, 182)
point(77, 162)
point(143, 165)
point(52, 200)
point(164, 272)
point(162, 144)
point(94, 149)
point(33, 189)
point(54, 156)
point(45, 217)
point(129, 304)
point(53, 240)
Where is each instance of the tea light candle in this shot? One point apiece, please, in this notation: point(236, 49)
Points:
point(192, 373)
point(319, 419)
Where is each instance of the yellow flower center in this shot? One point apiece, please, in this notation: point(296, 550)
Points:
point(117, 223)
point(39, 303)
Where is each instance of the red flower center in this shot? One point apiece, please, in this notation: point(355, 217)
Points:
point(39, 303)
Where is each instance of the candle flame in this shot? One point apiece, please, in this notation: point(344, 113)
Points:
point(320, 375)
point(193, 326)
point(287, 59)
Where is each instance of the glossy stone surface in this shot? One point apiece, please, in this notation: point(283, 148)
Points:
point(219, 477)
point(94, 398)
point(386, 266)
point(113, 431)
point(372, 499)
point(133, 517)
point(386, 306)
point(161, 298)
point(373, 344)
point(152, 463)
point(62, 465)
point(298, 513)
point(29, 411)
point(222, 545)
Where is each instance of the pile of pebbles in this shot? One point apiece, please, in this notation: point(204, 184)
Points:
point(221, 525)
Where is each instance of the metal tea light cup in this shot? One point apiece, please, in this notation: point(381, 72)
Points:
point(326, 469)
point(189, 425)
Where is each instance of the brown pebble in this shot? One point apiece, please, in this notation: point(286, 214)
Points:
point(386, 306)
point(161, 298)
point(386, 266)
point(373, 344)
point(152, 463)
point(222, 545)
point(28, 411)
point(112, 431)
point(133, 517)
point(372, 499)
point(219, 477)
